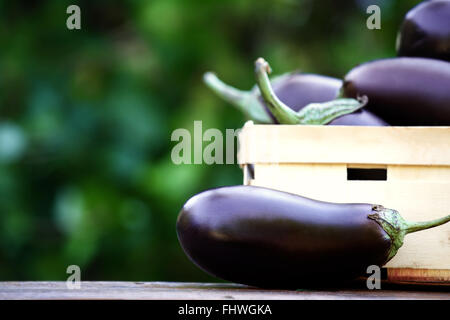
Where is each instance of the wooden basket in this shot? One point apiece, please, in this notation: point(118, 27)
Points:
point(404, 168)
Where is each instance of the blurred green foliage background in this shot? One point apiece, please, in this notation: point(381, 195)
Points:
point(86, 118)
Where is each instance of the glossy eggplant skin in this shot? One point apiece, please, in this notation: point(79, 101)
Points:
point(404, 91)
point(267, 238)
point(300, 89)
point(425, 31)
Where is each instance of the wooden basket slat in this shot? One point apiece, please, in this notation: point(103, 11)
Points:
point(344, 144)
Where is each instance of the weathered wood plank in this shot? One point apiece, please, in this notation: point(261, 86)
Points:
point(200, 291)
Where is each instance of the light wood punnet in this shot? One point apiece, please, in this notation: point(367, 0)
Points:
point(313, 161)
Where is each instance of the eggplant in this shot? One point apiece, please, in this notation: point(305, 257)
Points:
point(296, 90)
point(404, 91)
point(313, 113)
point(425, 31)
point(273, 239)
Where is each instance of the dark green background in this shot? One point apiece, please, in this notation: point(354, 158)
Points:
point(86, 118)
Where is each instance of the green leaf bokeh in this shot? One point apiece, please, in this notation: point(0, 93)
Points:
point(86, 118)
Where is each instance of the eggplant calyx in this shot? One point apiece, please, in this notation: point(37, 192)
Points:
point(312, 114)
point(397, 228)
point(323, 113)
point(246, 101)
point(393, 224)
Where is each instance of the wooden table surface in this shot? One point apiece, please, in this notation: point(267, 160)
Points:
point(204, 291)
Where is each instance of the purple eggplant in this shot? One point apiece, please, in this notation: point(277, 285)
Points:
point(267, 238)
point(296, 90)
point(404, 91)
point(425, 31)
point(312, 114)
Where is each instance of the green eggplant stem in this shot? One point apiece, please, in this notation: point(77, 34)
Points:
point(280, 111)
point(418, 226)
point(313, 113)
point(397, 228)
point(228, 93)
point(244, 101)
